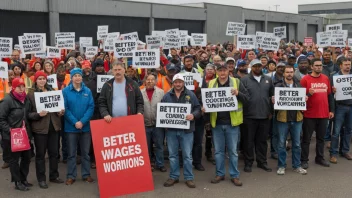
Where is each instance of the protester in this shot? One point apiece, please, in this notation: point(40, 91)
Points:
point(241, 70)
point(79, 109)
point(202, 62)
point(188, 62)
point(49, 67)
point(320, 108)
point(152, 95)
point(230, 62)
point(165, 82)
point(181, 138)
point(37, 66)
point(14, 114)
point(303, 69)
point(271, 68)
point(257, 114)
point(225, 126)
point(291, 60)
point(5, 84)
point(45, 128)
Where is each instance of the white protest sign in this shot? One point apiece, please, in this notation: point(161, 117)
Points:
point(85, 41)
point(260, 35)
point(153, 42)
point(123, 48)
point(269, 43)
point(234, 28)
point(30, 44)
point(109, 41)
point(343, 85)
point(199, 40)
point(101, 79)
point(190, 78)
point(333, 27)
point(290, 98)
point(323, 39)
point(40, 55)
point(280, 32)
point(102, 32)
point(183, 38)
point(246, 42)
point(349, 42)
point(65, 40)
point(173, 115)
point(91, 51)
point(219, 99)
point(6, 46)
point(53, 52)
point(133, 36)
point(4, 70)
point(161, 34)
point(146, 59)
point(172, 39)
point(39, 35)
point(51, 101)
point(339, 38)
point(52, 80)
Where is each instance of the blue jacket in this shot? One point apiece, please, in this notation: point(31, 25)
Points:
point(79, 106)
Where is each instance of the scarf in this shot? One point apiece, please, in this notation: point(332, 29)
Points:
point(20, 97)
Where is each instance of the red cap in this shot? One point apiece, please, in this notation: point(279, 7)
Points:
point(17, 82)
point(86, 64)
point(39, 73)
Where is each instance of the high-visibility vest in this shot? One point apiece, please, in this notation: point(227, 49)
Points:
point(4, 88)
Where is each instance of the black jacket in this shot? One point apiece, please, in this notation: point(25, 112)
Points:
point(12, 113)
point(135, 102)
point(91, 82)
point(329, 69)
point(259, 105)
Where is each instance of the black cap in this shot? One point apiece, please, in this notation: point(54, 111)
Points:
point(220, 66)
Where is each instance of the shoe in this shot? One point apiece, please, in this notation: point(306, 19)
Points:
point(190, 184)
point(5, 165)
point(236, 181)
point(274, 156)
point(328, 145)
point(70, 181)
point(347, 156)
point(162, 169)
point(43, 185)
point(304, 165)
point(217, 179)
point(300, 170)
point(281, 171)
point(333, 160)
point(93, 165)
point(199, 167)
point(170, 182)
point(20, 186)
point(247, 168)
point(89, 179)
point(323, 163)
point(25, 183)
point(57, 181)
point(264, 167)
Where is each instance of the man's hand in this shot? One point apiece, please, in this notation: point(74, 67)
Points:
point(273, 99)
point(79, 125)
point(331, 115)
point(107, 118)
point(43, 113)
point(333, 89)
point(203, 110)
point(311, 91)
point(61, 113)
point(234, 92)
point(190, 117)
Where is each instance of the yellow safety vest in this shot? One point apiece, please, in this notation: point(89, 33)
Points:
point(236, 116)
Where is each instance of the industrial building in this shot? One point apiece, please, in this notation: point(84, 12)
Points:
point(83, 17)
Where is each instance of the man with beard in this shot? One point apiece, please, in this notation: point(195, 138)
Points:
point(303, 64)
point(202, 63)
point(188, 64)
point(291, 60)
point(242, 69)
point(230, 62)
point(165, 82)
point(174, 56)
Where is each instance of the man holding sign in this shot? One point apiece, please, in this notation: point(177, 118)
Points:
point(181, 137)
point(225, 124)
point(343, 112)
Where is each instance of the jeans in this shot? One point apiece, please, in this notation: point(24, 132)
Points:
point(198, 140)
point(226, 135)
point(295, 129)
point(156, 135)
point(84, 139)
point(274, 137)
point(319, 126)
point(178, 138)
point(327, 136)
point(343, 116)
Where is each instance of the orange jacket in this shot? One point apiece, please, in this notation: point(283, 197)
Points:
point(4, 88)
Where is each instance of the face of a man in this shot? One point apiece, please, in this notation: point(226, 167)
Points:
point(291, 61)
point(178, 85)
point(317, 67)
point(346, 66)
point(327, 56)
point(257, 69)
point(288, 74)
point(130, 72)
point(303, 66)
point(77, 79)
point(217, 60)
point(231, 65)
point(280, 70)
point(223, 73)
point(15, 55)
point(150, 81)
point(271, 55)
point(118, 72)
point(188, 63)
point(264, 61)
point(251, 55)
point(171, 73)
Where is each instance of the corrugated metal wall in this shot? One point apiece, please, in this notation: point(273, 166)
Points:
point(254, 26)
point(191, 26)
point(312, 31)
point(15, 23)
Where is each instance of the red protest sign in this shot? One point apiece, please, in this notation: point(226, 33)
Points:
point(308, 40)
point(121, 155)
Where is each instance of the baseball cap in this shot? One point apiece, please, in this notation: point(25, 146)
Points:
point(172, 66)
point(302, 58)
point(220, 66)
point(291, 56)
point(178, 77)
point(230, 59)
point(255, 62)
point(241, 62)
point(281, 64)
point(188, 56)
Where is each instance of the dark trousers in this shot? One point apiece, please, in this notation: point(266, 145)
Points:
point(197, 142)
point(43, 143)
point(208, 144)
point(19, 170)
point(319, 126)
point(256, 138)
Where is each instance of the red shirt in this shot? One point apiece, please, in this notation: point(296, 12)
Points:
point(150, 93)
point(318, 103)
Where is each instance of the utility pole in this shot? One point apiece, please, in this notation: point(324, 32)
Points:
point(276, 7)
point(269, 8)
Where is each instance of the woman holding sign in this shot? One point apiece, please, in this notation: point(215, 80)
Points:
point(46, 127)
point(13, 116)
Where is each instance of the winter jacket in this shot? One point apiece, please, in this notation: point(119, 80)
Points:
point(91, 82)
point(133, 93)
point(150, 107)
point(39, 124)
point(79, 106)
point(259, 105)
point(12, 114)
point(329, 69)
point(170, 97)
